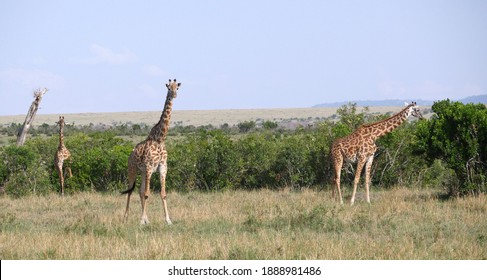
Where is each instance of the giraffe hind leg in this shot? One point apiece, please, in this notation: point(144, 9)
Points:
point(132, 180)
point(144, 195)
point(129, 193)
point(368, 166)
point(162, 174)
point(338, 162)
point(68, 169)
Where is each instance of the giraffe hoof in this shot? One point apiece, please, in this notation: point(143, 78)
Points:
point(168, 222)
point(144, 222)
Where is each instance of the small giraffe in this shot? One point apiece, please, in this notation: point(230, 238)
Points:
point(149, 156)
point(360, 146)
point(62, 154)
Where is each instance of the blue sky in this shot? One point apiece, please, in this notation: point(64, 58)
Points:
point(112, 56)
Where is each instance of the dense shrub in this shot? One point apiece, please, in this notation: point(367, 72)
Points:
point(394, 163)
point(99, 162)
point(292, 166)
point(457, 135)
point(257, 152)
point(22, 172)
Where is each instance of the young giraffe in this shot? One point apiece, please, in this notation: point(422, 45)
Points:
point(151, 155)
point(360, 146)
point(62, 154)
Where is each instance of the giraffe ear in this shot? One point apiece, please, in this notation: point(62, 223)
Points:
point(406, 104)
point(179, 84)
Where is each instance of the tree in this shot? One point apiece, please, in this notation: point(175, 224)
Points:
point(38, 93)
point(457, 135)
point(246, 126)
point(269, 125)
point(349, 116)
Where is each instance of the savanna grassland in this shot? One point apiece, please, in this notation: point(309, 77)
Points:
point(189, 117)
point(399, 224)
point(250, 187)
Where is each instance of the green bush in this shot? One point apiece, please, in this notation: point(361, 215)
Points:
point(292, 166)
point(99, 162)
point(256, 153)
point(457, 135)
point(23, 172)
point(217, 162)
point(394, 163)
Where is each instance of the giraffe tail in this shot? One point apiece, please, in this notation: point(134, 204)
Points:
point(130, 190)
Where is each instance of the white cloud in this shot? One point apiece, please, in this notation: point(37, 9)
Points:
point(31, 78)
point(102, 54)
point(33, 60)
point(148, 90)
point(153, 70)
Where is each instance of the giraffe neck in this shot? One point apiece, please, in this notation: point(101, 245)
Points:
point(61, 136)
point(381, 128)
point(159, 131)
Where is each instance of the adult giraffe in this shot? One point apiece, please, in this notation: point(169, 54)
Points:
point(61, 155)
point(360, 146)
point(149, 156)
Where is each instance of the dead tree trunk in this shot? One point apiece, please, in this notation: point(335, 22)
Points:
point(38, 93)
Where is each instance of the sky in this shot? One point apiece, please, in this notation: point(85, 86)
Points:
point(116, 56)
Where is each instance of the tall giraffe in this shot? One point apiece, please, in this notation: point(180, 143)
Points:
point(62, 154)
point(360, 146)
point(149, 156)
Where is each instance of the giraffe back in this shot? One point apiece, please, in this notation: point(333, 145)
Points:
point(360, 142)
point(148, 155)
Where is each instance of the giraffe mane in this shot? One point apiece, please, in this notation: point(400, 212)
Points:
point(389, 118)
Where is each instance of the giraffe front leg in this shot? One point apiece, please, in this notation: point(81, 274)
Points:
point(59, 168)
point(162, 174)
point(358, 172)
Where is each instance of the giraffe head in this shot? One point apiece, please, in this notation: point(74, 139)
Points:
point(172, 88)
point(413, 110)
point(61, 121)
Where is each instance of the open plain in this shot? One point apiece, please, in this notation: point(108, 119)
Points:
point(306, 224)
point(189, 117)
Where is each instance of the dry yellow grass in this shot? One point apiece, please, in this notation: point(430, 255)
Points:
point(188, 117)
point(399, 224)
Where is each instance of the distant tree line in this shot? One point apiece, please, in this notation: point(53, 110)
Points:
point(143, 129)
